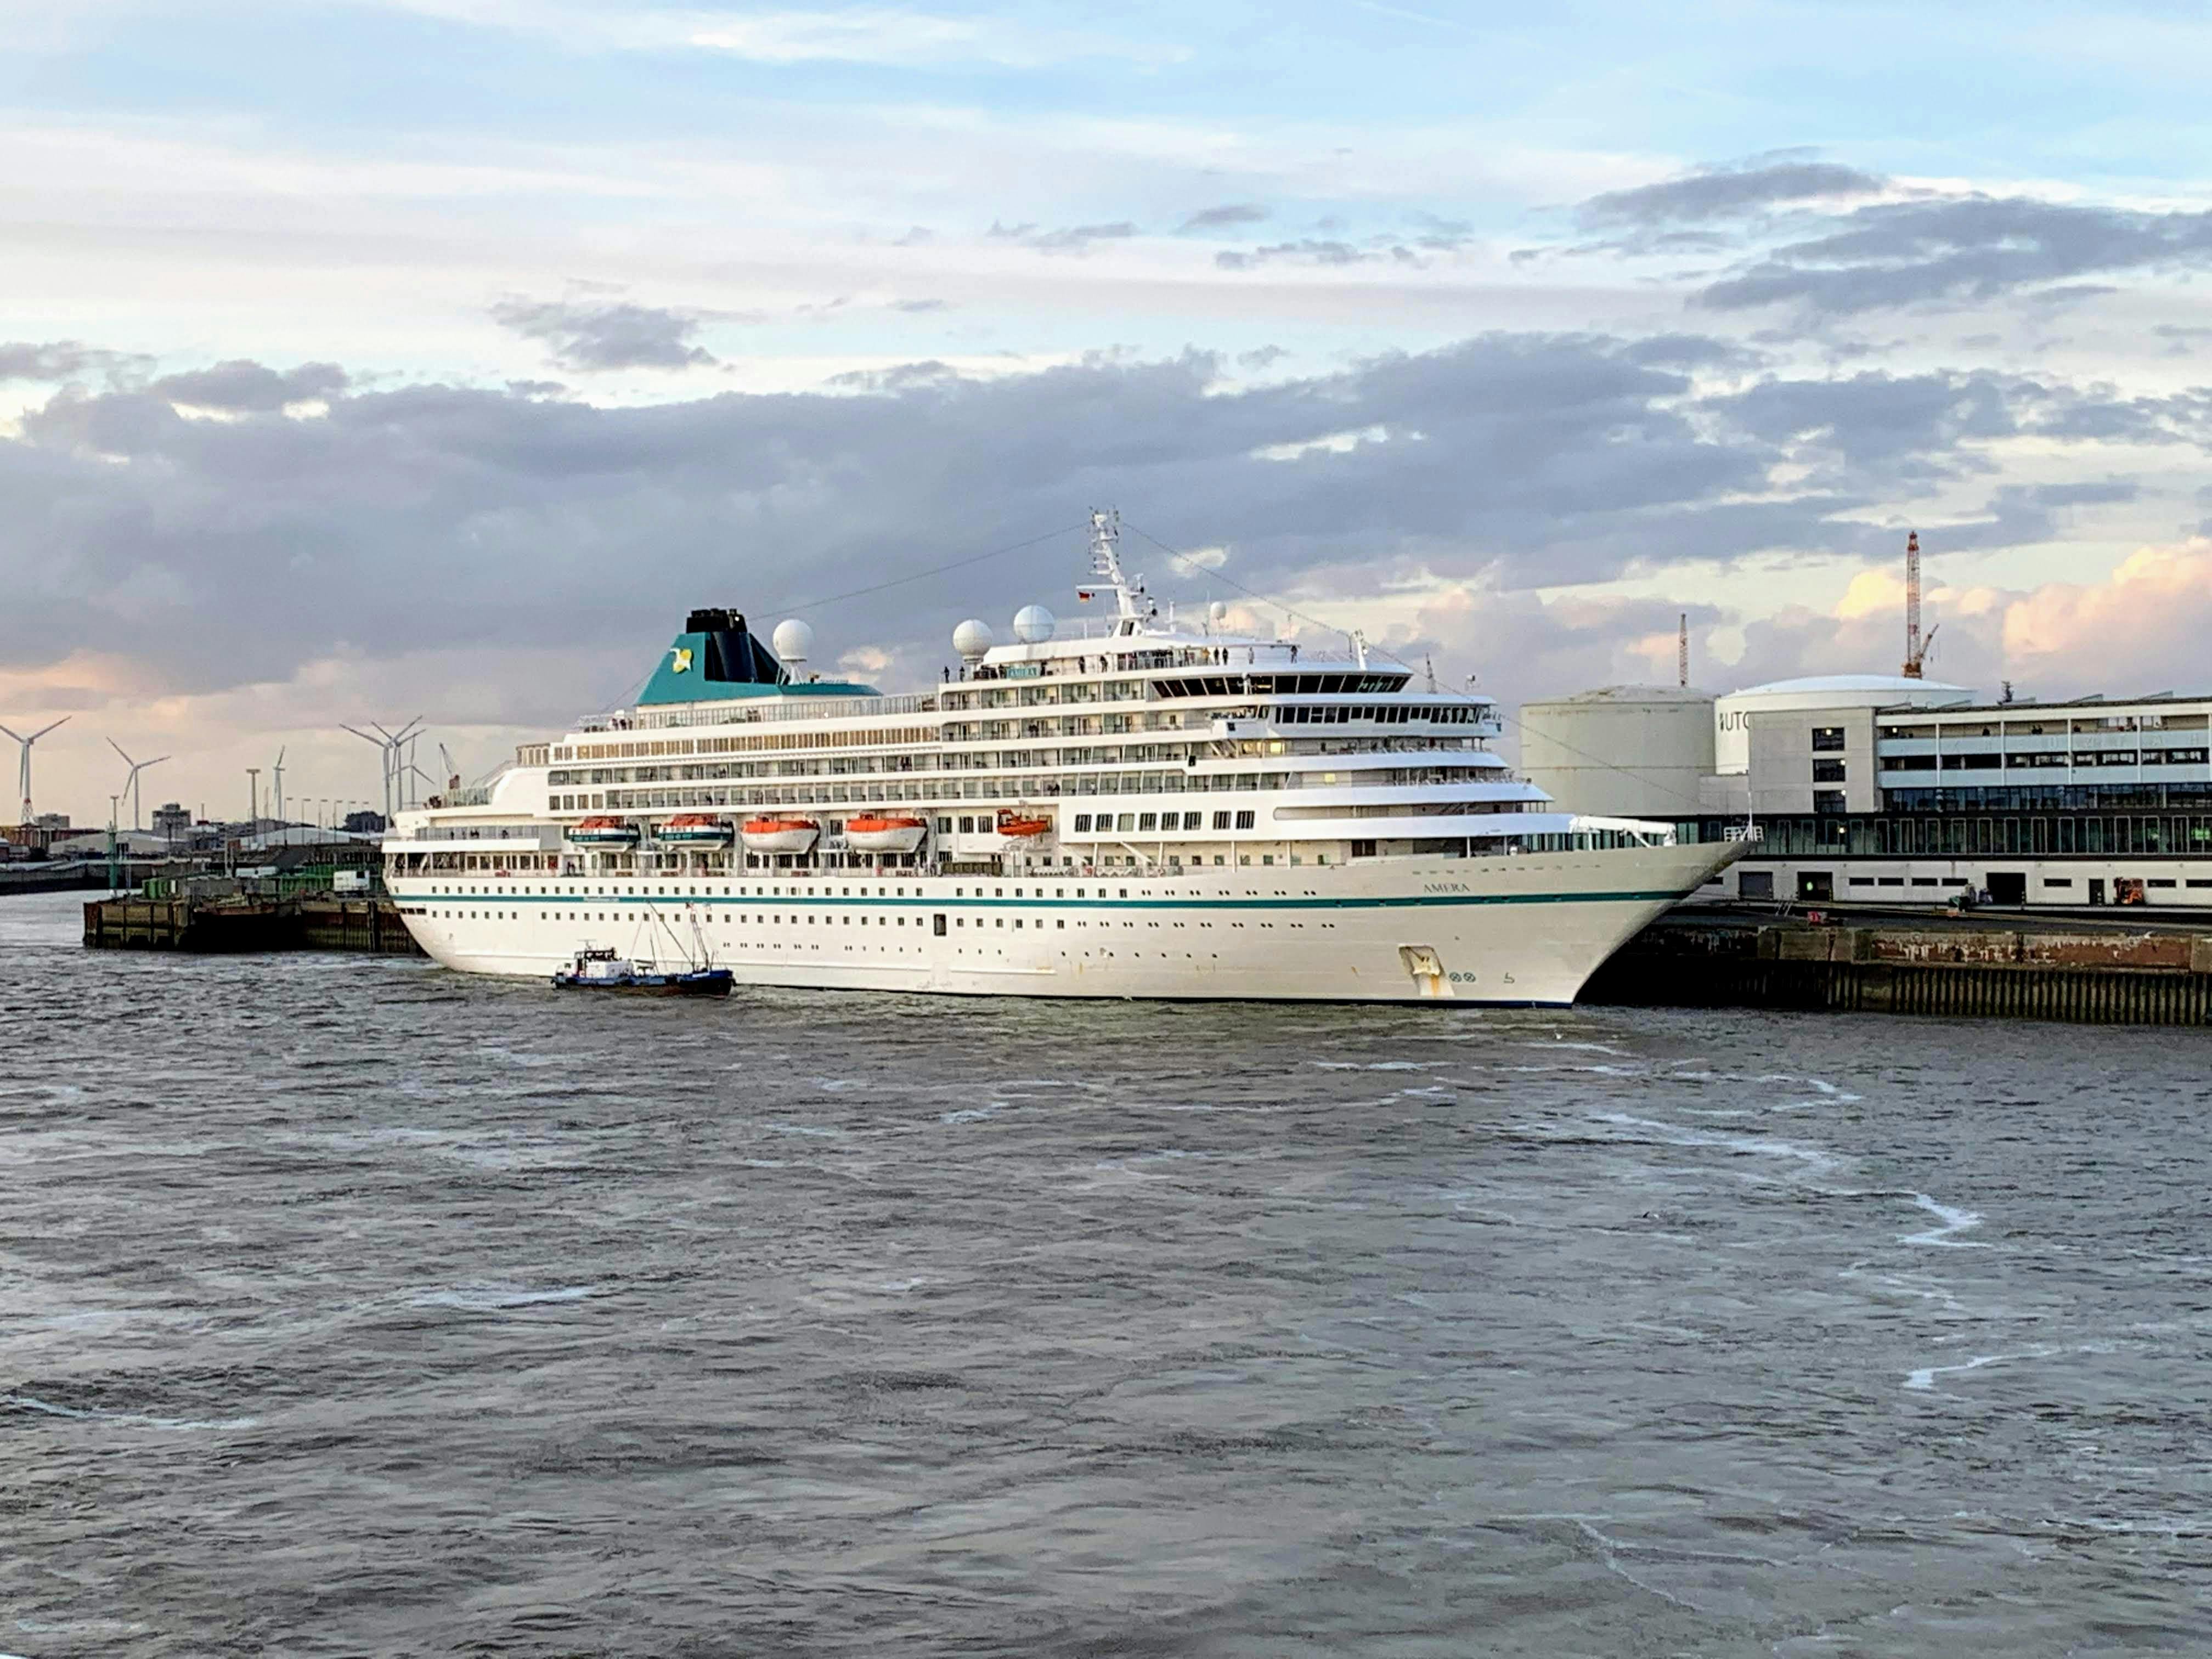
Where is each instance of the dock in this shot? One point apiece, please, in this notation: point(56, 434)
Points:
point(2089, 974)
point(244, 921)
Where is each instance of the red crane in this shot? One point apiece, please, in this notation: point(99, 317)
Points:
point(1915, 647)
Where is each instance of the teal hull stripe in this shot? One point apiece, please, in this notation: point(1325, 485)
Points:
point(834, 902)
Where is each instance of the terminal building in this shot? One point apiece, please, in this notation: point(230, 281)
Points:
point(1891, 789)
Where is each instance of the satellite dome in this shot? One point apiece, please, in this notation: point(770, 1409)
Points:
point(972, 638)
point(1033, 625)
point(794, 639)
point(1218, 612)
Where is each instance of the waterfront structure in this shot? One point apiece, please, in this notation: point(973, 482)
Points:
point(1889, 789)
point(1143, 806)
point(1620, 749)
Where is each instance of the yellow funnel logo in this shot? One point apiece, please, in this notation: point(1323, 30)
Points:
point(682, 659)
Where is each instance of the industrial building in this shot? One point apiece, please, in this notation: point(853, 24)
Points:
point(1897, 789)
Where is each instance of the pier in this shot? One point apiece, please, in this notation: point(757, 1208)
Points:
point(247, 921)
point(2090, 974)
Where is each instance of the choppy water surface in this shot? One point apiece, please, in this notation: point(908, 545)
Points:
point(354, 1306)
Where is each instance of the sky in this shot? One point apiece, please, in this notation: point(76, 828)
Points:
point(362, 360)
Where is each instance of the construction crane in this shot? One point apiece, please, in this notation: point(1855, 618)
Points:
point(1916, 646)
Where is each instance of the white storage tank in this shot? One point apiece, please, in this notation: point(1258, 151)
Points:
point(1634, 752)
point(1731, 748)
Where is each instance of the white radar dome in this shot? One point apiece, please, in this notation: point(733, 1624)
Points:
point(794, 640)
point(972, 638)
point(1033, 625)
point(1218, 612)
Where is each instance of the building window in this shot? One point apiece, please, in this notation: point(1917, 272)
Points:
point(1828, 739)
point(1828, 803)
point(1827, 771)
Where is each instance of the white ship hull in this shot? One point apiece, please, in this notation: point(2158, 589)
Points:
point(1522, 929)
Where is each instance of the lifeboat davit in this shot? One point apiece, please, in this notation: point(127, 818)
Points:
point(693, 828)
point(780, 834)
point(601, 832)
point(885, 832)
point(1019, 823)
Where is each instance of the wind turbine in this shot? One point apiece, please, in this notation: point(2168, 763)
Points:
point(279, 769)
point(131, 782)
point(25, 774)
point(393, 744)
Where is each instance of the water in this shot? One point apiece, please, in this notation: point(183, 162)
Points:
point(351, 1306)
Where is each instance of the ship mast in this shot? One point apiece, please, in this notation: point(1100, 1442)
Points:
point(1106, 565)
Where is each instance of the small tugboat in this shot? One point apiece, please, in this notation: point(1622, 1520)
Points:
point(603, 971)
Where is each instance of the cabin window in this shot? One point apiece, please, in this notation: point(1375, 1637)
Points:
point(1147, 821)
point(1244, 819)
point(1082, 823)
point(1221, 820)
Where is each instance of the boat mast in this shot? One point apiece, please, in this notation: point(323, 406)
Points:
point(1106, 565)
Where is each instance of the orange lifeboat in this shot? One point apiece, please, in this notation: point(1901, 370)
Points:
point(779, 834)
point(885, 832)
point(1016, 823)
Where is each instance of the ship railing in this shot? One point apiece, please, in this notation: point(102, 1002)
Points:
point(541, 835)
point(747, 713)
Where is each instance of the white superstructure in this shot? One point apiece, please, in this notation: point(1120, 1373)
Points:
point(1136, 807)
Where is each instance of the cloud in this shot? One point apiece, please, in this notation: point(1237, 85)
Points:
point(243, 387)
point(1307, 250)
point(1072, 239)
point(888, 37)
point(63, 359)
point(590, 337)
point(1227, 217)
point(321, 541)
point(2053, 641)
point(2159, 601)
point(1723, 192)
point(1961, 250)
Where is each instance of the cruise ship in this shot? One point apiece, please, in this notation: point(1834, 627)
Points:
point(1134, 807)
